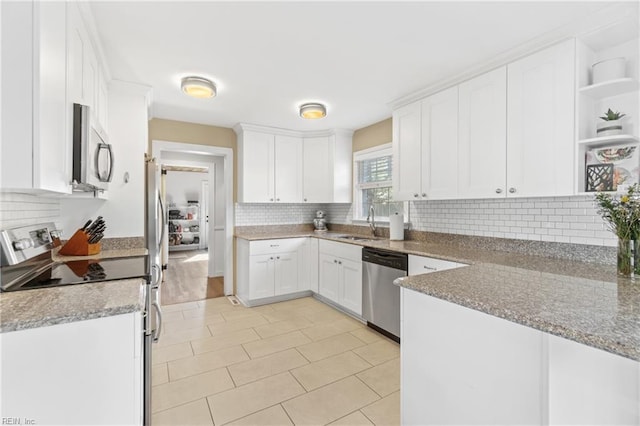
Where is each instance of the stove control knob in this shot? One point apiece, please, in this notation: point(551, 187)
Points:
point(23, 244)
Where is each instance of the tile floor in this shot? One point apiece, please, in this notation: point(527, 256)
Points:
point(295, 362)
point(186, 278)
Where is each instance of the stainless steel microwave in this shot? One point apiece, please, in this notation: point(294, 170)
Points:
point(93, 160)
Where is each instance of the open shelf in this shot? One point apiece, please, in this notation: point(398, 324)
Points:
point(608, 140)
point(610, 88)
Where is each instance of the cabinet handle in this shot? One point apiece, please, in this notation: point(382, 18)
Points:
point(415, 195)
point(270, 199)
point(305, 200)
point(424, 194)
point(274, 245)
point(339, 262)
point(512, 190)
point(499, 191)
point(271, 258)
point(335, 261)
point(429, 268)
point(277, 199)
point(277, 257)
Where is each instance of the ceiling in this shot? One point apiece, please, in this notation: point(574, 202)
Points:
point(269, 57)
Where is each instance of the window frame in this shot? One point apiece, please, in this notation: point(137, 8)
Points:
point(383, 150)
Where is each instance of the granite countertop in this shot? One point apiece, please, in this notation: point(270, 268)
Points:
point(22, 310)
point(104, 254)
point(584, 302)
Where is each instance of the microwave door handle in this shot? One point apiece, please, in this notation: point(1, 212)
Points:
point(109, 173)
point(111, 163)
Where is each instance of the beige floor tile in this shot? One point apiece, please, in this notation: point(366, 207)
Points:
point(282, 327)
point(332, 346)
point(322, 316)
point(384, 378)
point(244, 400)
point(353, 419)
point(385, 412)
point(171, 338)
point(294, 304)
point(185, 324)
point(329, 370)
point(224, 341)
point(330, 402)
point(259, 368)
point(159, 374)
point(234, 315)
point(273, 416)
point(367, 335)
point(237, 324)
point(264, 309)
point(160, 354)
point(218, 302)
point(172, 315)
point(192, 414)
point(179, 307)
point(260, 348)
point(207, 361)
point(379, 352)
point(277, 316)
point(204, 311)
point(176, 393)
point(322, 331)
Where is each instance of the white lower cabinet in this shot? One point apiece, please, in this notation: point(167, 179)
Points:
point(272, 268)
point(424, 265)
point(78, 373)
point(461, 366)
point(340, 274)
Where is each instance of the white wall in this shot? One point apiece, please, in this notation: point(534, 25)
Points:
point(124, 211)
point(182, 187)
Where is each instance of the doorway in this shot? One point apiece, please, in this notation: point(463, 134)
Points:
point(211, 257)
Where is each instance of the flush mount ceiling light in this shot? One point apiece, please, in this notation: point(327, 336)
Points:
point(198, 87)
point(313, 111)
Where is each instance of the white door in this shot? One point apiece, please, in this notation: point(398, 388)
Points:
point(329, 278)
point(351, 285)
point(317, 185)
point(204, 216)
point(261, 276)
point(288, 169)
point(286, 273)
point(440, 145)
point(540, 123)
point(257, 167)
point(482, 136)
point(406, 153)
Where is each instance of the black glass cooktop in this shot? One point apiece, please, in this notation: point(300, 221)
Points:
point(85, 271)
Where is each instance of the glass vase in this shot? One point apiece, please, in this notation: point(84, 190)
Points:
point(625, 257)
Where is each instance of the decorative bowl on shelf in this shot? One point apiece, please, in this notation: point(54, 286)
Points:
point(609, 69)
point(187, 239)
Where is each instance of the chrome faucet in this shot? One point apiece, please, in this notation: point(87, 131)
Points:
point(371, 220)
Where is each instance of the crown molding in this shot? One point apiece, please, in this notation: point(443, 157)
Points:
point(243, 127)
point(606, 17)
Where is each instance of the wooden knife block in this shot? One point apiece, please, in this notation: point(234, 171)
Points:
point(79, 245)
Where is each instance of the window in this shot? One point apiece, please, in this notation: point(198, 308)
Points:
point(372, 183)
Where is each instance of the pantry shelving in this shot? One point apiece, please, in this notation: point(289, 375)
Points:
point(184, 227)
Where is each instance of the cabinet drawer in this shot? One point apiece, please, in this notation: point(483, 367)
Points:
point(343, 250)
point(424, 265)
point(276, 246)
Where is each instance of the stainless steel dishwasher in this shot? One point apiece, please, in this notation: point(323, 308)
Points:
point(380, 297)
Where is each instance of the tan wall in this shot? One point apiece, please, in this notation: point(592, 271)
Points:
point(376, 134)
point(200, 134)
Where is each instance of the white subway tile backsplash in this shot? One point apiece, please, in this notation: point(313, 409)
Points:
point(27, 209)
point(275, 214)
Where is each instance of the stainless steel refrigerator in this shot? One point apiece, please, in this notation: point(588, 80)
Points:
point(155, 228)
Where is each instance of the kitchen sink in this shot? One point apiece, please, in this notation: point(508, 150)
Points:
point(354, 238)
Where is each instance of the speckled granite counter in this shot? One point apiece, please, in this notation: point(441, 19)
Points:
point(104, 254)
point(583, 302)
point(49, 306)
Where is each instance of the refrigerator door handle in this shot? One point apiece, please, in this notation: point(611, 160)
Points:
point(162, 221)
point(156, 275)
point(158, 330)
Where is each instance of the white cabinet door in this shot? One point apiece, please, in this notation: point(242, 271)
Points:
point(440, 145)
point(261, 276)
point(589, 386)
point(286, 273)
point(329, 278)
point(482, 153)
point(318, 170)
point(540, 123)
point(288, 169)
point(351, 285)
point(257, 168)
point(425, 265)
point(407, 162)
point(309, 265)
point(461, 366)
point(103, 101)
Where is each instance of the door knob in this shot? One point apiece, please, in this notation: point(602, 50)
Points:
point(415, 195)
point(499, 191)
point(270, 199)
point(277, 199)
point(512, 190)
point(424, 194)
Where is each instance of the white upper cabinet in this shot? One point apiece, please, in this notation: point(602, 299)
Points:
point(36, 153)
point(407, 159)
point(482, 144)
point(540, 122)
point(288, 167)
point(440, 145)
point(256, 176)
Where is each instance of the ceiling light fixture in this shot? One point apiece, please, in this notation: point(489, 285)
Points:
point(313, 111)
point(198, 87)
